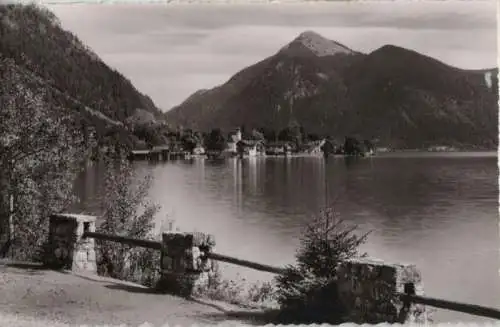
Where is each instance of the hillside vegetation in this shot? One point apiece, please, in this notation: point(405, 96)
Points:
point(56, 60)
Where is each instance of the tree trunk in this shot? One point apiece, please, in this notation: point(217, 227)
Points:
point(10, 241)
point(7, 228)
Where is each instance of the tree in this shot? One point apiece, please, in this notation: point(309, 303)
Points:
point(368, 145)
point(126, 211)
point(313, 137)
point(284, 135)
point(43, 147)
point(257, 135)
point(215, 141)
point(327, 148)
point(293, 133)
point(240, 148)
point(269, 134)
point(189, 143)
point(118, 139)
point(352, 146)
point(153, 135)
point(307, 292)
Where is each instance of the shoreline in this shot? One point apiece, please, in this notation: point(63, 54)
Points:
point(377, 154)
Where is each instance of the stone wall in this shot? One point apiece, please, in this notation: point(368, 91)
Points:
point(367, 289)
point(66, 248)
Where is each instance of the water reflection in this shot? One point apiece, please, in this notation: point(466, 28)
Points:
point(238, 183)
point(252, 171)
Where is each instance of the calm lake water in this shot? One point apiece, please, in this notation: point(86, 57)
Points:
point(436, 210)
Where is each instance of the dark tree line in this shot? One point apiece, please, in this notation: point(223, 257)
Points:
point(351, 146)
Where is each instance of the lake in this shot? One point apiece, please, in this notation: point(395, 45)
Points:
point(436, 210)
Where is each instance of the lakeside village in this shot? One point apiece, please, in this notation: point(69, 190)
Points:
point(239, 144)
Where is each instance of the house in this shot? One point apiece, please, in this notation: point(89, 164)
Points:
point(199, 150)
point(278, 148)
point(233, 139)
point(173, 145)
point(250, 148)
point(315, 147)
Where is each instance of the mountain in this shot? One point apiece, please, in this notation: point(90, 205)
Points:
point(398, 96)
point(33, 42)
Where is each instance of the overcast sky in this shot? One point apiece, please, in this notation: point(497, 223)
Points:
point(170, 51)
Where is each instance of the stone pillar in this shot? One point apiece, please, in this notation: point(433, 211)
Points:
point(367, 289)
point(66, 247)
point(184, 269)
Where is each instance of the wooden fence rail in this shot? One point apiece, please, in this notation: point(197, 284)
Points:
point(124, 240)
point(408, 296)
point(472, 309)
point(245, 263)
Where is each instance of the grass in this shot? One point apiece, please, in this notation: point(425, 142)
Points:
point(240, 292)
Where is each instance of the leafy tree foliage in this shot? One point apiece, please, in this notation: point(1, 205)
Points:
point(151, 134)
point(189, 143)
point(328, 147)
point(215, 141)
point(127, 212)
point(240, 148)
point(313, 137)
point(307, 292)
point(368, 145)
point(257, 135)
point(269, 134)
point(190, 140)
point(294, 133)
point(352, 146)
point(43, 148)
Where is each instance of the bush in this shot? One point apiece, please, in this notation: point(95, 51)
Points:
point(128, 213)
point(307, 292)
point(239, 292)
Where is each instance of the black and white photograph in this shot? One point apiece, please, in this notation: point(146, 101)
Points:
point(268, 163)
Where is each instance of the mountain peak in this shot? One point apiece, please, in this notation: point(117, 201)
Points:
point(315, 43)
point(310, 35)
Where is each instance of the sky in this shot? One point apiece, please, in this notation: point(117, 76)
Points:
point(169, 51)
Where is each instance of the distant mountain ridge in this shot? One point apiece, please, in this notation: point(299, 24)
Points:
point(398, 96)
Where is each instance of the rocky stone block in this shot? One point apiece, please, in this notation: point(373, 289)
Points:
point(184, 266)
point(66, 247)
point(368, 287)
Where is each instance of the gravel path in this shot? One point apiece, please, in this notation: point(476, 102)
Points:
point(29, 293)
